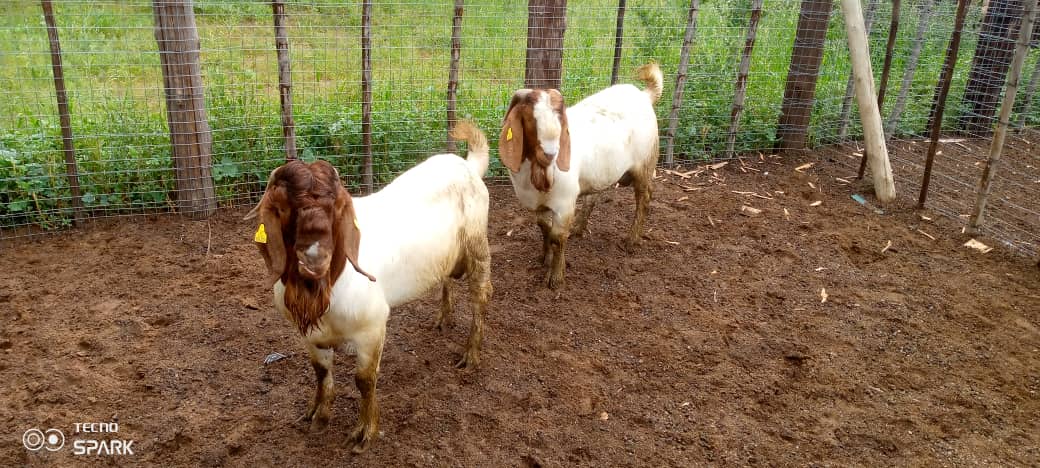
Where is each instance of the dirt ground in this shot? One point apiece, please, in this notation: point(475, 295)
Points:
point(788, 338)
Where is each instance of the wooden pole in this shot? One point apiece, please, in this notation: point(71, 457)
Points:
point(800, 92)
point(618, 37)
point(190, 135)
point(889, 48)
point(63, 113)
point(869, 114)
point(997, 146)
point(942, 89)
point(846, 103)
point(453, 71)
point(367, 179)
point(886, 69)
point(989, 66)
point(1027, 98)
point(911, 66)
point(281, 42)
point(742, 77)
point(680, 81)
point(546, 25)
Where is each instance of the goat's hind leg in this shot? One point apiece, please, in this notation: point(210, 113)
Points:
point(445, 315)
point(319, 408)
point(642, 183)
point(480, 289)
point(369, 352)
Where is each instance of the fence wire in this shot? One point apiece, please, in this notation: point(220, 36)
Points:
point(121, 134)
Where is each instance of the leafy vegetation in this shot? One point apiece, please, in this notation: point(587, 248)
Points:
point(118, 109)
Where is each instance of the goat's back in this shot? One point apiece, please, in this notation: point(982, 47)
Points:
point(415, 229)
point(612, 132)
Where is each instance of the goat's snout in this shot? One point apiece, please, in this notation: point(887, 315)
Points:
point(313, 260)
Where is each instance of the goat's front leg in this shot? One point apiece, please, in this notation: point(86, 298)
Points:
point(545, 225)
point(319, 408)
point(369, 351)
point(558, 240)
point(581, 221)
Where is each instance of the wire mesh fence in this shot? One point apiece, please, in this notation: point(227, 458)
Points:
point(120, 119)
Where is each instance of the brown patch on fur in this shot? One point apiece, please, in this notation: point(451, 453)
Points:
point(524, 145)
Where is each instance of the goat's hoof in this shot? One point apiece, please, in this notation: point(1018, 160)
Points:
point(443, 324)
point(469, 361)
point(306, 417)
point(553, 280)
point(319, 424)
point(362, 438)
point(632, 243)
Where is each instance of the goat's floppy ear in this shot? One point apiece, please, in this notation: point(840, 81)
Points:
point(268, 235)
point(347, 236)
point(273, 250)
point(563, 158)
point(511, 141)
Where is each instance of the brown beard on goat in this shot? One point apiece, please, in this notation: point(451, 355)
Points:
point(307, 203)
point(307, 301)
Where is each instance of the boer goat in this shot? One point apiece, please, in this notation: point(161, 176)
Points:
point(556, 154)
point(426, 227)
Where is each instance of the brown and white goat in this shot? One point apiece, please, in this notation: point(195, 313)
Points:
point(556, 154)
point(429, 225)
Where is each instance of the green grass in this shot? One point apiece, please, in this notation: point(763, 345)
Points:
point(118, 110)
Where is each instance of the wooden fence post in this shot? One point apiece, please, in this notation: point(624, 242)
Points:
point(941, 90)
point(989, 66)
point(281, 42)
point(997, 146)
point(185, 107)
point(911, 65)
point(806, 55)
point(886, 69)
point(367, 176)
point(680, 81)
point(453, 71)
point(1027, 98)
point(63, 113)
point(869, 113)
point(546, 25)
point(846, 103)
point(619, 33)
point(742, 76)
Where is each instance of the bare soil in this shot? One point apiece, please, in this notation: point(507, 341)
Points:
point(788, 338)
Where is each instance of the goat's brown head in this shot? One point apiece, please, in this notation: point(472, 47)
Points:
point(535, 129)
point(311, 232)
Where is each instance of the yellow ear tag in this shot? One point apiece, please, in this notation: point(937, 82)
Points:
point(358, 226)
point(261, 235)
point(509, 133)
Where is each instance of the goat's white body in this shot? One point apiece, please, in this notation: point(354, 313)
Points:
point(612, 132)
point(413, 233)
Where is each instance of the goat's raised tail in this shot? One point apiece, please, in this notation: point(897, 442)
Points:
point(651, 75)
point(477, 151)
